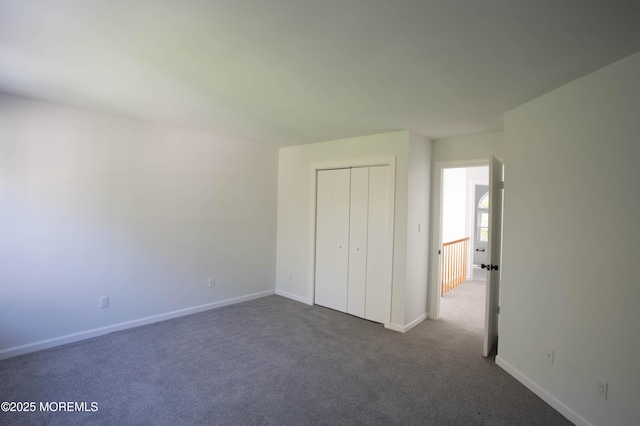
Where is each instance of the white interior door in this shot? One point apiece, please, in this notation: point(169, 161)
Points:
point(378, 289)
point(332, 238)
point(358, 225)
point(494, 246)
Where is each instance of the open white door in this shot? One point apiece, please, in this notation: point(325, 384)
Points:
point(494, 249)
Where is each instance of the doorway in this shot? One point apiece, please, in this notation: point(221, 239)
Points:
point(464, 237)
point(464, 206)
point(481, 220)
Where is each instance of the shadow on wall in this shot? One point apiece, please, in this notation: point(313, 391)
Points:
point(94, 205)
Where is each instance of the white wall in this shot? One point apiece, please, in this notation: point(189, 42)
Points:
point(294, 268)
point(95, 205)
point(458, 203)
point(458, 206)
point(570, 253)
point(454, 204)
point(468, 147)
point(418, 229)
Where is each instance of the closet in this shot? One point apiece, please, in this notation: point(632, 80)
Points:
point(353, 241)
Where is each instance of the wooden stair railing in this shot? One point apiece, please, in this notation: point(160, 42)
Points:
point(454, 264)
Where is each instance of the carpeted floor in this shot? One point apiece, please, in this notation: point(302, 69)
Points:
point(274, 361)
point(464, 307)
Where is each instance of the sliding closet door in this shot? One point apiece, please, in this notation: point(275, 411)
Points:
point(358, 224)
point(378, 289)
point(332, 238)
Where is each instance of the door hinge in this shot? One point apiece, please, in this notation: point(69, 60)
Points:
point(497, 309)
point(439, 251)
point(500, 185)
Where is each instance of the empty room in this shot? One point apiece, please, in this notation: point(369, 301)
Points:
point(239, 212)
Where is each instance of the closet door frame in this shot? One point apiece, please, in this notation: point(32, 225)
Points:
point(367, 162)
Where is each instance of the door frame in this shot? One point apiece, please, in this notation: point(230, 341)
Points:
point(435, 269)
point(350, 164)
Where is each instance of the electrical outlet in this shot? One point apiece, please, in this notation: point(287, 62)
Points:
point(212, 282)
point(104, 301)
point(602, 389)
point(549, 355)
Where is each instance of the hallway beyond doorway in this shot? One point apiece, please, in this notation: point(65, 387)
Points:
point(465, 307)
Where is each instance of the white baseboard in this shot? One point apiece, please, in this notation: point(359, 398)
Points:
point(546, 396)
point(75, 337)
point(407, 327)
point(295, 297)
point(416, 322)
point(395, 327)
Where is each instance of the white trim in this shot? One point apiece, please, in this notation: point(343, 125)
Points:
point(415, 322)
point(405, 328)
point(395, 327)
point(295, 297)
point(75, 337)
point(349, 164)
point(542, 393)
point(391, 237)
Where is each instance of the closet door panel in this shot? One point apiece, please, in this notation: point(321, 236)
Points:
point(358, 223)
point(332, 238)
point(378, 276)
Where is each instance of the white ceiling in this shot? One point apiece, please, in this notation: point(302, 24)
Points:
point(288, 72)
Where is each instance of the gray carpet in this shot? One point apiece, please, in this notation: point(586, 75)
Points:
point(274, 361)
point(464, 307)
